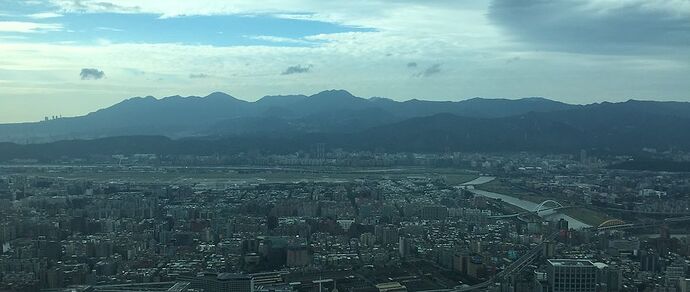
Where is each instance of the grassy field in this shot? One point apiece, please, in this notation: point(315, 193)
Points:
point(501, 187)
point(588, 216)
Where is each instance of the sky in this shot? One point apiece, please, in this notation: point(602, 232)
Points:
point(71, 57)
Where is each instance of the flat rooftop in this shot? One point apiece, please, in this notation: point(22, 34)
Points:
point(571, 263)
point(230, 276)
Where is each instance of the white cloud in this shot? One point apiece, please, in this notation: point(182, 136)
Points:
point(13, 37)
point(28, 27)
point(44, 15)
point(105, 28)
point(275, 39)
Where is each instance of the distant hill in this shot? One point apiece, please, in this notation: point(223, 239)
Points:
point(608, 127)
point(222, 124)
point(221, 114)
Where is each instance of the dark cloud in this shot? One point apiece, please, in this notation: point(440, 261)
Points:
point(91, 74)
point(586, 26)
point(199, 76)
point(298, 69)
point(430, 71)
point(412, 65)
point(512, 60)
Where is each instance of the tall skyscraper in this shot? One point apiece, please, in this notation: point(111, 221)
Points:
point(649, 261)
point(567, 275)
point(404, 247)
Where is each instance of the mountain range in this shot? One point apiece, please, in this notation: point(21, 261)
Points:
point(219, 114)
point(220, 122)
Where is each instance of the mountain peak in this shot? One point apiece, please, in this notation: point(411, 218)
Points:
point(280, 99)
point(333, 93)
point(381, 99)
point(219, 95)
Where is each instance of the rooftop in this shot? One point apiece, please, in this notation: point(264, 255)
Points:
point(571, 263)
point(230, 276)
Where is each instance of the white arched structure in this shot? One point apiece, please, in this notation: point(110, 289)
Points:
point(546, 205)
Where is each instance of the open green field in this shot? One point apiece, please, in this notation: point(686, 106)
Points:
point(588, 216)
point(501, 187)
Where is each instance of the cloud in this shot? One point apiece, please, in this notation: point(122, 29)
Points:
point(13, 37)
point(199, 76)
point(44, 15)
point(595, 27)
point(430, 71)
point(105, 28)
point(513, 59)
point(412, 65)
point(276, 39)
point(91, 74)
point(28, 27)
point(97, 6)
point(298, 69)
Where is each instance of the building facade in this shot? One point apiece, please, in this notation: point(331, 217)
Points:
point(567, 275)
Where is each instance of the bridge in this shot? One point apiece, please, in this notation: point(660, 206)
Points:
point(660, 213)
point(548, 205)
point(617, 224)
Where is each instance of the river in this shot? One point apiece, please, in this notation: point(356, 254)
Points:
point(523, 204)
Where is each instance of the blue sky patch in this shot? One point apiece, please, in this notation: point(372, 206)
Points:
point(216, 30)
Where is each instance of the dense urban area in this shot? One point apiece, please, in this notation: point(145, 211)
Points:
point(339, 221)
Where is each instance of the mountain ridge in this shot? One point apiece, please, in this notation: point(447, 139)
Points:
point(178, 116)
point(287, 123)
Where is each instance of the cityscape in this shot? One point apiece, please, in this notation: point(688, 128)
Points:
point(450, 222)
point(344, 146)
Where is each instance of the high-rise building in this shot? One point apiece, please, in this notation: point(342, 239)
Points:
point(320, 150)
point(675, 272)
point(549, 249)
point(571, 275)
point(609, 278)
point(434, 212)
point(649, 261)
point(563, 225)
point(404, 247)
point(298, 256)
point(387, 234)
point(563, 230)
point(684, 285)
point(541, 283)
point(460, 262)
